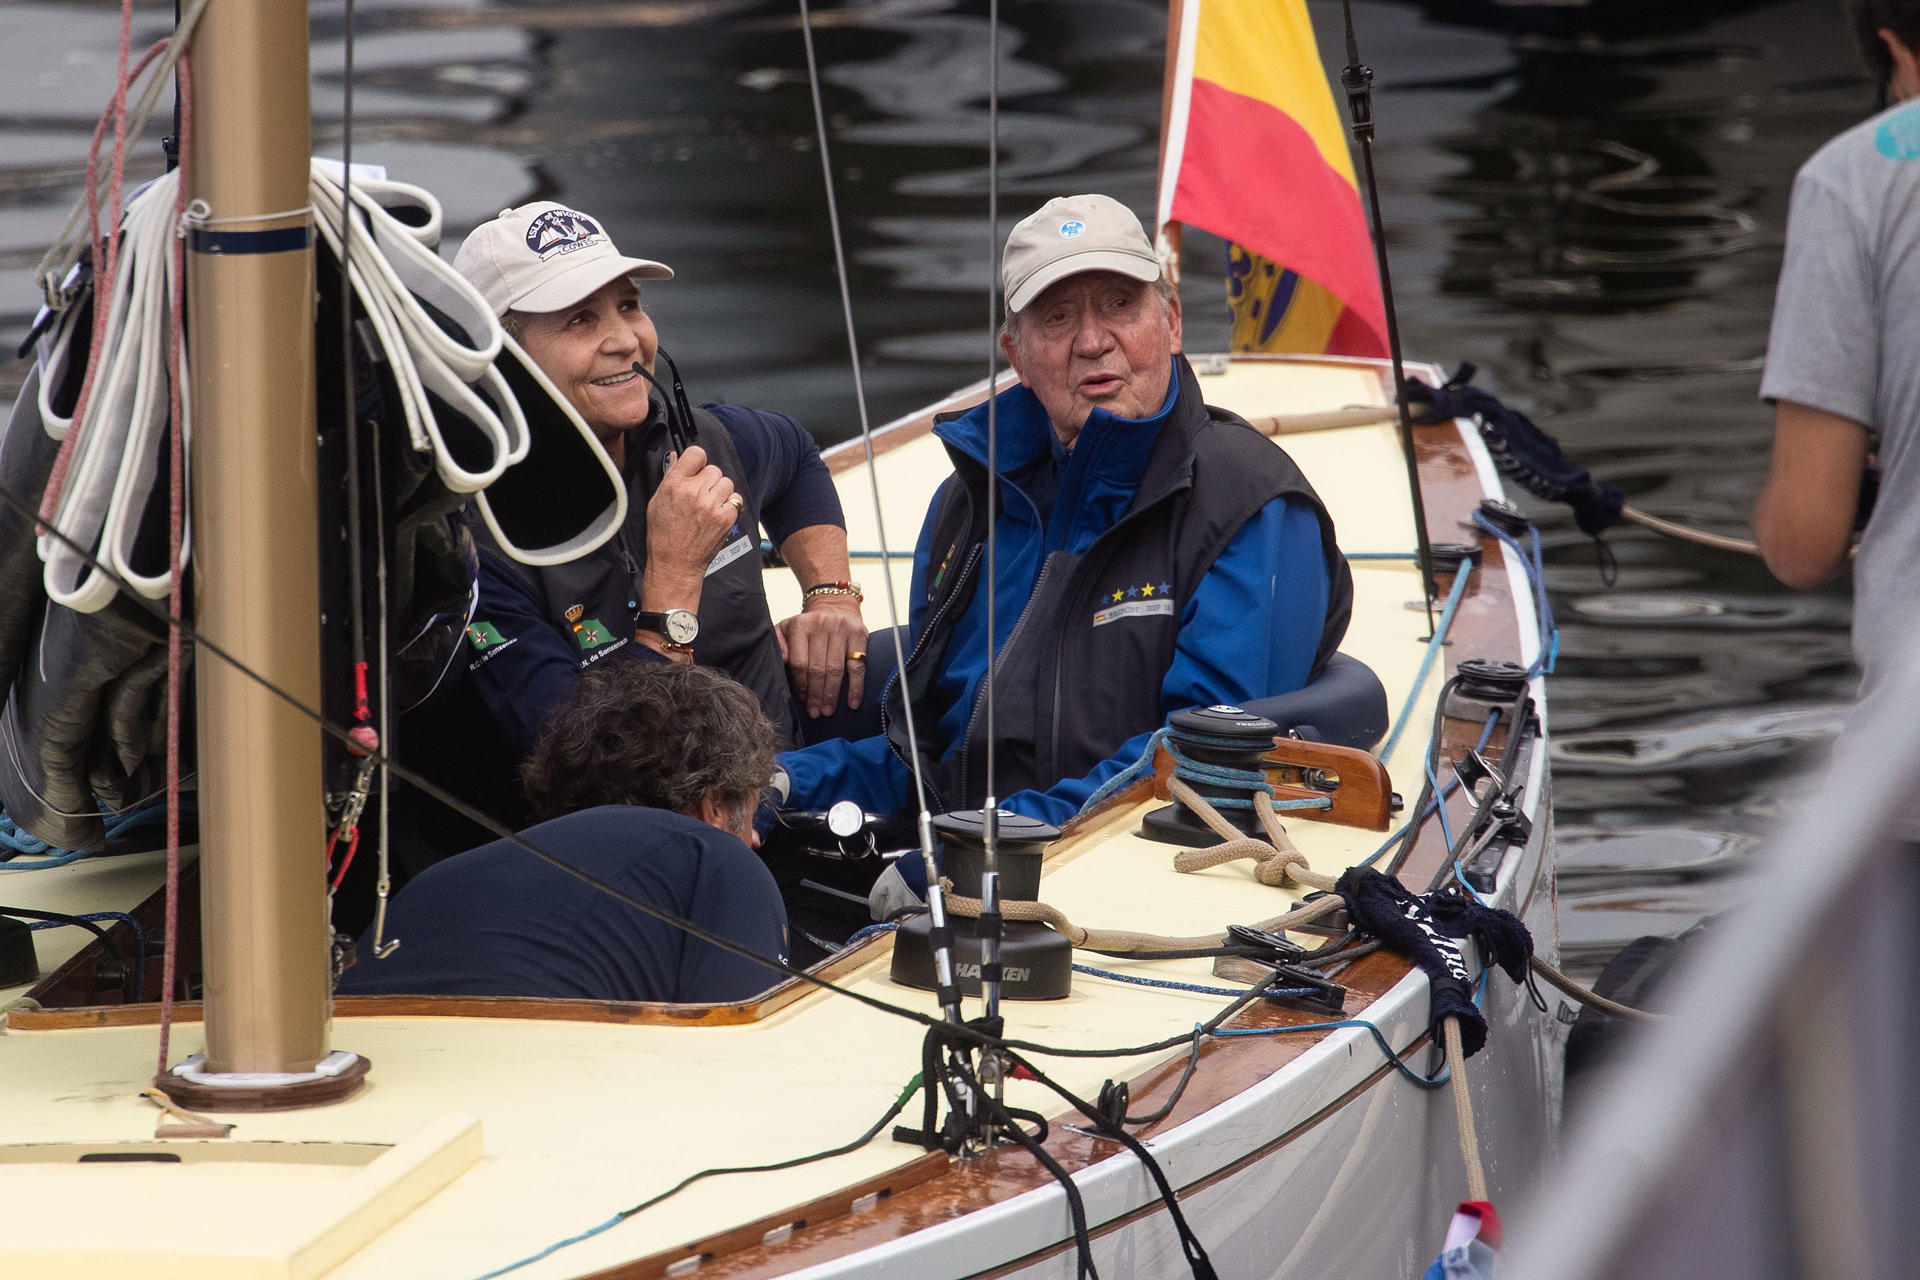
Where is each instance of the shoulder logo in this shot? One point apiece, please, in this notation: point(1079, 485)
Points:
point(483, 635)
point(592, 633)
point(1134, 600)
point(1068, 230)
point(559, 231)
point(1898, 137)
point(574, 611)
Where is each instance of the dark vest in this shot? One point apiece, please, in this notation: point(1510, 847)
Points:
point(594, 598)
point(1070, 684)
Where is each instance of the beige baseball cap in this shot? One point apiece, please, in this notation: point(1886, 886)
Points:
point(1071, 234)
point(543, 257)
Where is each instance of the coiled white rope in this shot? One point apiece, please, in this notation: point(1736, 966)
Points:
point(470, 397)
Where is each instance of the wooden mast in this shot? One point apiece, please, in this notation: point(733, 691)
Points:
point(256, 563)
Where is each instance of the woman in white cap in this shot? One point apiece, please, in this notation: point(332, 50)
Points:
point(681, 581)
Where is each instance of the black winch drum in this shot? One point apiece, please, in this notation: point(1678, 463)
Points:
point(1036, 963)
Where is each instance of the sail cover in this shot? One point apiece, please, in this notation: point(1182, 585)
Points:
point(1255, 152)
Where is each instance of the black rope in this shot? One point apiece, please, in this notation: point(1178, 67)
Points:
point(1180, 1088)
point(130, 973)
point(899, 1104)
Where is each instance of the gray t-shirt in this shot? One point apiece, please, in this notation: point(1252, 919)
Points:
point(1846, 339)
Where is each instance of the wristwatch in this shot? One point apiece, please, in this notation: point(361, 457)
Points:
point(679, 626)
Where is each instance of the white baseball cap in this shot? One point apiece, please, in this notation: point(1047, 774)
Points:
point(1071, 234)
point(545, 257)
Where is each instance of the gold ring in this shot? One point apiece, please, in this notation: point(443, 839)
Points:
point(856, 655)
point(737, 502)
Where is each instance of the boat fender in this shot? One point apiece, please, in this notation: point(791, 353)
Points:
point(1406, 924)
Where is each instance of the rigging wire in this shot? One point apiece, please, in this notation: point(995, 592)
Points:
point(989, 923)
point(499, 831)
point(943, 951)
point(962, 1031)
point(1358, 81)
point(177, 396)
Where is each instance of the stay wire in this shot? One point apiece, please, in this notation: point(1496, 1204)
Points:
point(500, 832)
point(859, 384)
point(943, 954)
point(989, 924)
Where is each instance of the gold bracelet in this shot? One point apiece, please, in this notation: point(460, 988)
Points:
point(842, 588)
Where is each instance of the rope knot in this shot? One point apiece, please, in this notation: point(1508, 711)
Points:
point(195, 216)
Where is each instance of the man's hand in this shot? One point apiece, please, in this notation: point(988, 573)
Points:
point(688, 519)
point(819, 645)
point(1804, 518)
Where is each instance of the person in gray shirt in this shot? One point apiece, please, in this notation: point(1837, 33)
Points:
point(1843, 358)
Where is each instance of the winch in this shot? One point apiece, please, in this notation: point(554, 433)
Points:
point(1036, 963)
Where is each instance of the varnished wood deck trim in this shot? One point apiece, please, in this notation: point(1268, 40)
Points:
point(623, 1012)
point(1483, 626)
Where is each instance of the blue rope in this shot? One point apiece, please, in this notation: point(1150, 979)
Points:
point(1425, 1082)
point(117, 825)
point(1440, 795)
point(871, 931)
point(1434, 645)
point(554, 1248)
point(95, 917)
point(19, 841)
point(1128, 774)
point(1170, 985)
point(1200, 771)
point(1530, 560)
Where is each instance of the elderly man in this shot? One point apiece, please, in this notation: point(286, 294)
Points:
point(1154, 553)
point(648, 780)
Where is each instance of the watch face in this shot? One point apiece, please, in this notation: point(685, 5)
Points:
point(682, 626)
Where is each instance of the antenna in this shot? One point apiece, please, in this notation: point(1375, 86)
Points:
point(1357, 79)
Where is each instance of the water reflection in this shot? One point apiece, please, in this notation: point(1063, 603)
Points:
point(1595, 221)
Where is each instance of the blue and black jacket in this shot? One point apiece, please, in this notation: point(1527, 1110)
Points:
point(1165, 562)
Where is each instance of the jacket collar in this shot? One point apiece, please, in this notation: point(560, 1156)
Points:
point(1111, 451)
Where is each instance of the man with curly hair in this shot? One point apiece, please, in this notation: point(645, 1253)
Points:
point(646, 779)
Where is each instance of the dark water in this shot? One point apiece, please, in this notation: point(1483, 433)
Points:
point(1593, 220)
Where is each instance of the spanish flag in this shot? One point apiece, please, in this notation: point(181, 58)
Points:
point(1256, 153)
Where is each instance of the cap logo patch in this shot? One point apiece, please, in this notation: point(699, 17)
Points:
point(559, 231)
point(1068, 230)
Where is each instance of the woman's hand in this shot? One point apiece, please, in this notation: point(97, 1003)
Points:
point(826, 639)
point(688, 520)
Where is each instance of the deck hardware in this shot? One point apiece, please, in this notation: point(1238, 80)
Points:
point(1218, 742)
point(1035, 962)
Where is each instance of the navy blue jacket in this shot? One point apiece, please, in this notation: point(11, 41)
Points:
point(1253, 627)
point(496, 921)
point(530, 666)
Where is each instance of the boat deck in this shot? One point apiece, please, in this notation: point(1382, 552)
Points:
point(482, 1140)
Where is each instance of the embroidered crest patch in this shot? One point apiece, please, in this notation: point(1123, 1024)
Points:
point(560, 231)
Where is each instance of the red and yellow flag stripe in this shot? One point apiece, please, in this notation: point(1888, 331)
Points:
point(1256, 152)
